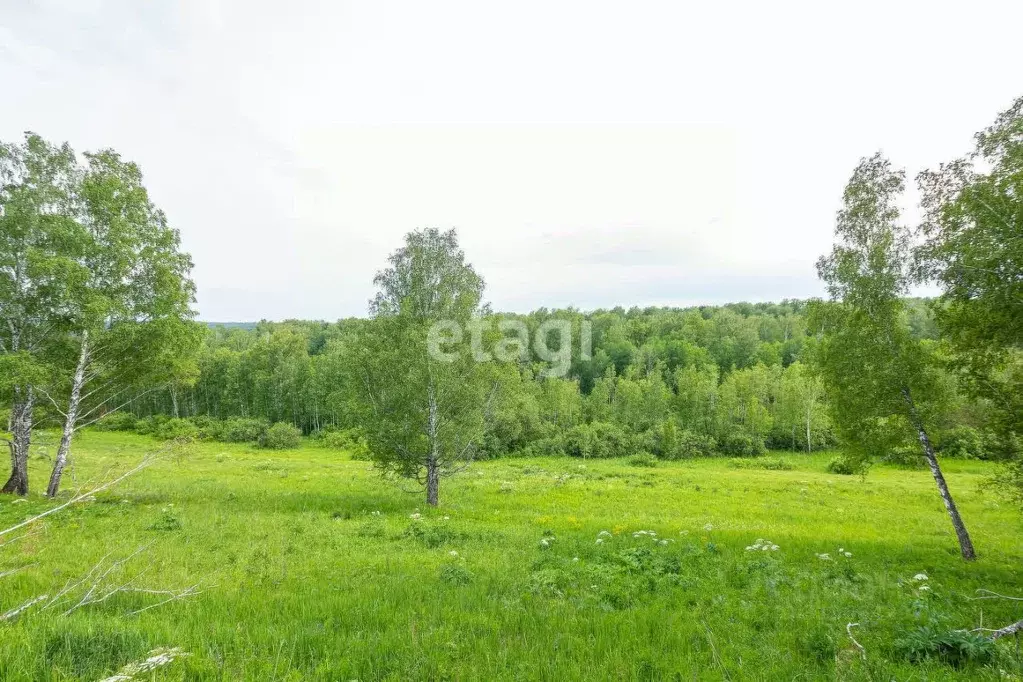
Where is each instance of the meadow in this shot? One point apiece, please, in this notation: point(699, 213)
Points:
point(310, 566)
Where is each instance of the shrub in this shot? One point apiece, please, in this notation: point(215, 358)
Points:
point(955, 647)
point(964, 442)
point(242, 430)
point(552, 446)
point(175, 428)
point(690, 444)
point(769, 463)
point(349, 440)
point(118, 421)
point(281, 436)
point(843, 466)
point(209, 428)
point(643, 459)
point(455, 574)
point(599, 440)
point(738, 444)
point(148, 425)
point(904, 455)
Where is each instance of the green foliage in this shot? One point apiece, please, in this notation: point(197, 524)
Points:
point(963, 442)
point(281, 436)
point(118, 421)
point(739, 444)
point(172, 429)
point(598, 440)
point(242, 430)
point(349, 440)
point(690, 444)
point(844, 466)
point(953, 647)
point(643, 459)
point(767, 463)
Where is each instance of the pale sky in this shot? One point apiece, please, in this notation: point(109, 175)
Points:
point(590, 153)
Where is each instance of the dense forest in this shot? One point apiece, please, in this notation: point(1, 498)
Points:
point(675, 382)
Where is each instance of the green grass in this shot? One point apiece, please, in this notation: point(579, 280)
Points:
point(306, 582)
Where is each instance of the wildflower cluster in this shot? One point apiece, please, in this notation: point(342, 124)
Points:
point(762, 545)
point(602, 535)
point(824, 556)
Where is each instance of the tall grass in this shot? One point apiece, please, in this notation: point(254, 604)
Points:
point(319, 570)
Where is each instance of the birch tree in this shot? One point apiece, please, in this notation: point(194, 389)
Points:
point(425, 413)
point(41, 279)
point(881, 384)
point(131, 323)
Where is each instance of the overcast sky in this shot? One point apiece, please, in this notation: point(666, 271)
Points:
point(589, 153)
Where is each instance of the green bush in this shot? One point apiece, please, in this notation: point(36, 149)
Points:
point(281, 436)
point(209, 428)
point(768, 463)
point(148, 426)
point(738, 444)
point(599, 440)
point(175, 428)
point(643, 459)
point(954, 647)
point(690, 444)
point(904, 456)
point(964, 442)
point(843, 466)
point(242, 430)
point(350, 440)
point(118, 421)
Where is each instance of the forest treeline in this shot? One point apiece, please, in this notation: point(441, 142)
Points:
point(675, 382)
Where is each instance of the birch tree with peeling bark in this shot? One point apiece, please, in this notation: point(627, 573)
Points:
point(883, 383)
point(425, 411)
point(95, 296)
point(41, 278)
point(132, 326)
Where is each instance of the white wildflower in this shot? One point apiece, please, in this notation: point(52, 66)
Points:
point(919, 577)
point(600, 541)
point(545, 542)
point(824, 557)
point(453, 553)
point(447, 518)
point(575, 558)
point(604, 534)
point(662, 542)
point(416, 516)
point(925, 588)
point(709, 527)
point(848, 555)
point(762, 545)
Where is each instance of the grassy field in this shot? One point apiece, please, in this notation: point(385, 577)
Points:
point(314, 568)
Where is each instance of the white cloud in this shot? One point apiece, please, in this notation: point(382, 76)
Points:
point(590, 153)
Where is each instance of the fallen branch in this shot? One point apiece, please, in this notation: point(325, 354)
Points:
point(988, 594)
point(99, 584)
point(146, 461)
point(14, 613)
point(15, 570)
point(10, 541)
point(157, 659)
point(1007, 630)
point(848, 629)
